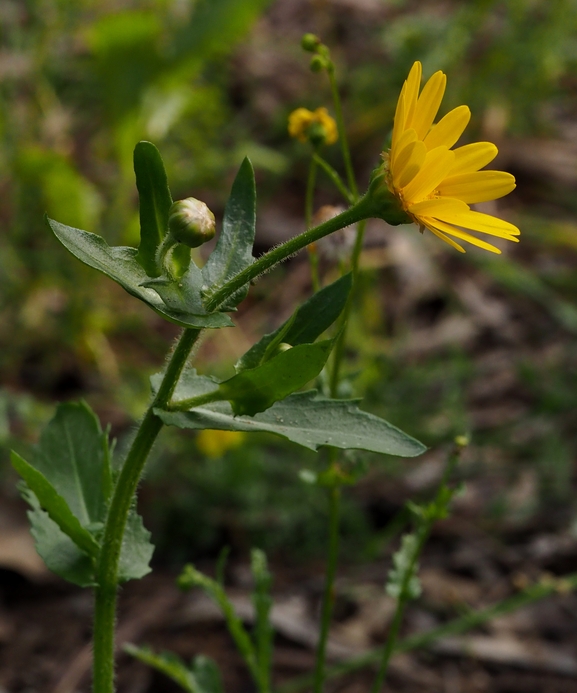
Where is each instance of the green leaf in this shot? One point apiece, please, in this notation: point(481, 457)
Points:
point(233, 251)
point(207, 674)
point(403, 579)
point(136, 550)
point(72, 455)
point(304, 418)
point(202, 677)
point(154, 203)
point(256, 389)
point(57, 550)
point(167, 663)
point(55, 506)
point(120, 264)
point(307, 323)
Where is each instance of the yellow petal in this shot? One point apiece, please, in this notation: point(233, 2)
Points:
point(477, 221)
point(480, 186)
point(299, 121)
point(438, 206)
point(406, 138)
point(448, 130)
point(461, 235)
point(428, 104)
point(472, 157)
point(399, 121)
point(408, 164)
point(448, 240)
point(435, 167)
point(412, 91)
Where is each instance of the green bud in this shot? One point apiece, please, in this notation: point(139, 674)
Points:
point(318, 63)
point(310, 42)
point(317, 134)
point(191, 222)
point(283, 346)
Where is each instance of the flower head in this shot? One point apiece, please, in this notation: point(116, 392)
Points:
point(434, 183)
point(316, 126)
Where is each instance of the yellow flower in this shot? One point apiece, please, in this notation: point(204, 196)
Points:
point(214, 443)
point(434, 183)
point(317, 126)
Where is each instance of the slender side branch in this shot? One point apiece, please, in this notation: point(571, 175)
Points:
point(363, 209)
point(309, 203)
point(342, 135)
point(335, 178)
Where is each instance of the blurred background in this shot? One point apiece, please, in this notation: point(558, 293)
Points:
point(441, 344)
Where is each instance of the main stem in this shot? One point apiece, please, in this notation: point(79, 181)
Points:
point(122, 499)
point(125, 488)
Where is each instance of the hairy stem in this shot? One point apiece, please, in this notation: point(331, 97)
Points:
point(150, 426)
point(363, 209)
point(122, 499)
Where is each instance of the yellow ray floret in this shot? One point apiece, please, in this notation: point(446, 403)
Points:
point(434, 183)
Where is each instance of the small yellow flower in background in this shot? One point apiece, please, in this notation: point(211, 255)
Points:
point(316, 126)
point(434, 183)
point(213, 443)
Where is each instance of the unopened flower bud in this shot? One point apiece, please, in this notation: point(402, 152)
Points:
point(318, 63)
point(191, 222)
point(310, 42)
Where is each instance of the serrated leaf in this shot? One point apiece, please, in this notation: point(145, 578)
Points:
point(306, 418)
point(154, 203)
point(136, 550)
point(256, 389)
point(57, 550)
point(72, 454)
point(120, 264)
point(307, 323)
point(233, 251)
point(402, 580)
point(55, 506)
